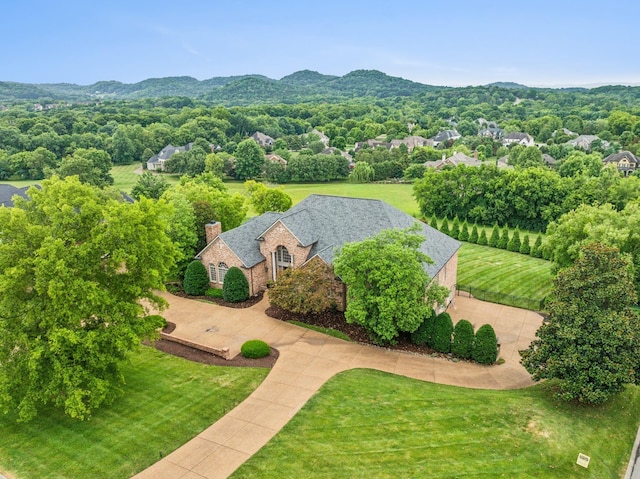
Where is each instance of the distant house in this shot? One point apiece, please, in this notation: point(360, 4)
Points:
point(584, 142)
point(156, 162)
point(492, 132)
point(548, 160)
point(315, 230)
point(262, 139)
point(7, 192)
point(625, 161)
point(446, 135)
point(412, 142)
point(372, 144)
point(273, 158)
point(518, 138)
point(454, 160)
point(323, 138)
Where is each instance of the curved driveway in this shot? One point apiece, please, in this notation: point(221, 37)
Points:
point(307, 360)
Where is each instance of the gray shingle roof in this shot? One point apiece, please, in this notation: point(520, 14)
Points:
point(328, 222)
point(8, 191)
point(616, 157)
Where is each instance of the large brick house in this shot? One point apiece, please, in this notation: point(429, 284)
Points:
point(315, 229)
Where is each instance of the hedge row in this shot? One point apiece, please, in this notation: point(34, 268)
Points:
point(497, 239)
point(438, 332)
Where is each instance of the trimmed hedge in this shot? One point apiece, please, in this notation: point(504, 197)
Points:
point(463, 339)
point(424, 334)
point(442, 332)
point(485, 346)
point(473, 237)
point(196, 279)
point(495, 236)
point(482, 239)
point(255, 349)
point(235, 287)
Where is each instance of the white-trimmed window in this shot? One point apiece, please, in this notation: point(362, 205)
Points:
point(283, 259)
point(213, 277)
point(222, 271)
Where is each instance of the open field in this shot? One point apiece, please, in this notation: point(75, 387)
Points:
point(369, 424)
point(505, 273)
point(167, 401)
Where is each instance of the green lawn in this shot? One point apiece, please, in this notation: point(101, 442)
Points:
point(369, 424)
point(505, 273)
point(167, 401)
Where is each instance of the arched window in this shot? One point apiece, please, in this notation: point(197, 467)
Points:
point(222, 271)
point(213, 277)
point(283, 259)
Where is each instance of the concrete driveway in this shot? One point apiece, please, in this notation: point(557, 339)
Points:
point(307, 360)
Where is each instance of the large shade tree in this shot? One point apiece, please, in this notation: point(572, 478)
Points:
point(591, 341)
point(76, 264)
point(386, 283)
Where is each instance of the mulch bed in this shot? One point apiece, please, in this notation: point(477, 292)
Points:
point(244, 304)
point(204, 357)
point(335, 320)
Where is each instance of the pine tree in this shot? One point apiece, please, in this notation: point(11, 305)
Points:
point(464, 232)
point(482, 239)
point(524, 247)
point(455, 228)
point(444, 227)
point(473, 237)
point(504, 238)
point(514, 242)
point(536, 250)
point(495, 236)
point(434, 222)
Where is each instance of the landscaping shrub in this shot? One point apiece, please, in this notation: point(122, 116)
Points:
point(160, 322)
point(196, 279)
point(423, 336)
point(455, 228)
point(464, 232)
point(214, 293)
point(304, 290)
point(536, 250)
point(473, 237)
point(444, 227)
point(504, 238)
point(463, 337)
point(485, 346)
point(514, 242)
point(434, 222)
point(482, 239)
point(495, 236)
point(235, 287)
point(442, 332)
point(255, 349)
point(524, 247)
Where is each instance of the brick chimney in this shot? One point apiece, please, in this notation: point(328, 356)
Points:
point(212, 230)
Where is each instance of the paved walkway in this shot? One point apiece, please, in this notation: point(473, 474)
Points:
point(307, 360)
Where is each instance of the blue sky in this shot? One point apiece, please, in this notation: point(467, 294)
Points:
point(466, 42)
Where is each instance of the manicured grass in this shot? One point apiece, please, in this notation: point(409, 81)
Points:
point(504, 273)
point(125, 176)
point(369, 424)
point(398, 195)
point(320, 329)
point(167, 401)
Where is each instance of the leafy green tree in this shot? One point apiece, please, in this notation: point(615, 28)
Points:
point(463, 337)
point(514, 243)
point(482, 239)
point(473, 237)
point(504, 238)
point(265, 199)
point(196, 279)
point(123, 150)
point(591, 341)
point(442, 331)
point(495, 236)
point(485, 345)
point(75, 266)
point(235, 287)
point(363, 172)
point(150, 186)
point(386, 283)
point(91, 165)
point(249, 160)
point(304, 290)
point(525, 247)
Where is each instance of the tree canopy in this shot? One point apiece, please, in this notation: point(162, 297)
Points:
point(386, 283)
point(265, 199)
point(591, 341)
point(75, 263)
